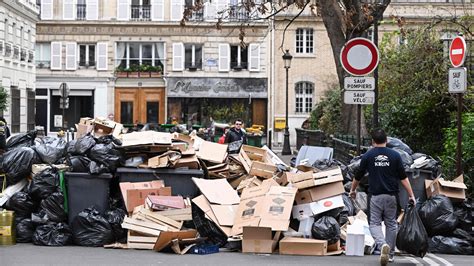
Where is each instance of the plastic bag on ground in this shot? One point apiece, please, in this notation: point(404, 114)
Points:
point(360, 203)
point(109, 139)
point(81, 145)
point(348, 205)
point(24, 231)
point(115, 219)
point(464, 214)
point(52, 235)
point(90, 229)
point(22, 204)
point(326, 228)
point(40, 217)
point(406, 158)
point(22, 140)
point(17, 164)
point(96, 168)
point(54, 207)
point(450, 245)
point(52, 151)
point(397, 143)
point(438, 216)
point(412, 236)
point(44, 184)
point(106, 154)
point(79, 163)
point(462, 234)
point(207, 228)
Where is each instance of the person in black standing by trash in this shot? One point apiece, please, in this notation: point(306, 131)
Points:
point(236, 137)
point(385, 170)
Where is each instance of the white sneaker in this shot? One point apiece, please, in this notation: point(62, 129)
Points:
point(391, 258)
point(384, 254)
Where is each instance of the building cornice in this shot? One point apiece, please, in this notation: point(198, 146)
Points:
point(21, 10)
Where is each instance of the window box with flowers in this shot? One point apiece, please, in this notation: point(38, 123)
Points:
point(142, 71)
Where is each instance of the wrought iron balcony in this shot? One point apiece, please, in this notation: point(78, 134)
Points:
point(43, 64)
point(86, 64)
point(141, 12)
point(238, 13)
point(81, 12)
point(193, 66)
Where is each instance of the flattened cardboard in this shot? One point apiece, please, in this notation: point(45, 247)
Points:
point(225, 214)
point(212, 152)
point(455, 190)
point(190, 162)
point(259, 240)
point(165, 238)
point(145, 138)
point(217, 191)
point(245, 160)
point(304, 211)
point(134, 194)
point(262, 169)
point(303, 246)
point(319, 193)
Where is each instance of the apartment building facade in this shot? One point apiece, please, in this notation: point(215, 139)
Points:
point(133, 61)
point(17, 70)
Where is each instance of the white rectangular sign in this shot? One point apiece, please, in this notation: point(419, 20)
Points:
point(457, 80)
point(359, 83)
point(359, 97)
point(58, 121)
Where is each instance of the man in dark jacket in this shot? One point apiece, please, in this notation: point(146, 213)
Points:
point(236, 137)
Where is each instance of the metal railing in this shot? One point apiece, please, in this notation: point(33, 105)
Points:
point(191, 66)
point(141, 12)
point(238, 65)
point(81, 12)
point(238, 13)
point(86, 63)
point(43, 64)
point(31, 57)
point(197, 15)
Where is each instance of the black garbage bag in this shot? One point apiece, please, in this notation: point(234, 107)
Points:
point(91, 229)
point(115, 219)
point(79, 163)
point(430, 164)
point(70, 147)
point(324, 164)
point(334, 213)
point(464, 214)
point(406, 158)
point(51, 151)
point(109, 139)
point(16, 164)
point(450, 245)
point(326, 228)
point(22, 140)
point(41, 217)
point(22, 204)
point(25, 229)
point(361, 202)
point(348, 186)
point(438, 216)
point(348, 205)
point(81, 145)
point(397, 143)
point(52, 235)
point(54, 207)
point(461, 234)
point(412, 236)
point(106, 155)
point(97, 168)
point(207, 228)
point(44, 184)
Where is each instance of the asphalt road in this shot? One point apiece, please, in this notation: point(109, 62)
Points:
point(28, 254)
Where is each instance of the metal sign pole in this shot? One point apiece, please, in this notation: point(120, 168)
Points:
point(459, 143)
point(358, 128)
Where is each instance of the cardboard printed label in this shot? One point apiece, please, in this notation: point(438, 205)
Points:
point(276, 209)
point(5, 230)
point(279, 201)
point(248, 212)
point(327, 203)
point(251, 203)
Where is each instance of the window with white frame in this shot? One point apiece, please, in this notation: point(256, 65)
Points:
point(133, 54)
point(238, 57)
point(193, 56)
point(43, 55)
point(86, 55)
point(304, 41)
point(304, 96)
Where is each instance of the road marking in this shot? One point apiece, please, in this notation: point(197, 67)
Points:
point(413, 260)
point(456, 51)
point(430, 261)
point(445, 262)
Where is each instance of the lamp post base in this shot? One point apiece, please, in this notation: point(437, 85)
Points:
point(286, 144)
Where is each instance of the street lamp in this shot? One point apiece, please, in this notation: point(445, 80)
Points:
point(286, 142)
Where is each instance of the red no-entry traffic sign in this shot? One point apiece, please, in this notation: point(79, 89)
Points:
point(457, 51)
point(359, 57)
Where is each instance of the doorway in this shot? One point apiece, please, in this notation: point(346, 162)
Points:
point(139, 106)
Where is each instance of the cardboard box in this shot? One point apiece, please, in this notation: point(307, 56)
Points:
point(145, 138)
point(268, 205)
point(212, 152)
point(334, 249)
point(355, 240)
point(190, 162)
point(165, 238)
point(305, 180)
point(304, 211)
point(164, 160)
point(259, 240)
point(455, 190)
point(262, 169)
point(85, 125)
point(303, 246)
point(320, 192)
point(103, 127)
point(134, 194)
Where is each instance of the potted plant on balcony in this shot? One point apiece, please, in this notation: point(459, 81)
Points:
point(134, 71)
point(155, 71)
point(121, 72)
point(144, 70)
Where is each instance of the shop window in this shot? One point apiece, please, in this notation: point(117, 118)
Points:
point(304, 97)
point(238, 57)
point(193, 56)
point(15, 109)
point(86, 55)
point(304, 41)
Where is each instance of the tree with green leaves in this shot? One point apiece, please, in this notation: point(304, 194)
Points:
point(3, 99)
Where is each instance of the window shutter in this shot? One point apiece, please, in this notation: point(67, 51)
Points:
point(123, 9)
point(254, 57)
point(221, 8)
point(102, 56)
point(210, 10)
point(71, 55)
point(178, 57)
point(92, 9)
point(46, 9)
point(56, 55)
point(69, 7)
point(224, 57)
point(157, 10)
point(177, 9)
